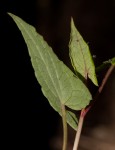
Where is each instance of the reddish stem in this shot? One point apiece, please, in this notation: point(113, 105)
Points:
point(100, 88)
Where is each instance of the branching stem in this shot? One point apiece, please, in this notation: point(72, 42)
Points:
point(111, 68)
point(85, 110)
point(106, 78)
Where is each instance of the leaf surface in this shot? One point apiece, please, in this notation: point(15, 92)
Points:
point(105, 64)
point(80, 55)
point(58, 82)
point(113, 61)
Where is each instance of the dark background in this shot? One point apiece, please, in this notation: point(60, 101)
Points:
point(27, 119)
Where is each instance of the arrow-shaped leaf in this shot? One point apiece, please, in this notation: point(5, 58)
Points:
point(58, 83)
point(80, 55)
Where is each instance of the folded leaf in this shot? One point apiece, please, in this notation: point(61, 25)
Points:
point(58, 82)
point(80, 55)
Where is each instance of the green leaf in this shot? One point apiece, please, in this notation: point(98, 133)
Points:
point(58, 83)
point(105, 64)
point(102, 67)
point(110, 61)
point(113, 61)
point(80, 55)
point(71, 119)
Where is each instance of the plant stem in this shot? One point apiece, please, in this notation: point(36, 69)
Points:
point(106, 78)
point(78, 133)
point(64, 127)
point(85, 111)
point(111, 68)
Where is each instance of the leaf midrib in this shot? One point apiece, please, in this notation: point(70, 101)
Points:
point(44, 62)
point(85, 66)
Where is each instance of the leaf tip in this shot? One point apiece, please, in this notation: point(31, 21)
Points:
point(72, 20)
point(72, 23)
point(95, 81)
point(10, 14)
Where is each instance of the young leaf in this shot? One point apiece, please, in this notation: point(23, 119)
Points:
point(110, 61)
point(113, 61)
point(80, 55)
point(105, 64)
point(58, 83)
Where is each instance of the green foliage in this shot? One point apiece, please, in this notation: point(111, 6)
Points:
point(110, 61)
point(106, 64)
point(80, 55)
point(113, 61)
point(59, 84)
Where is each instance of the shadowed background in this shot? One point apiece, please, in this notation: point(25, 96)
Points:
point(26, 118)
